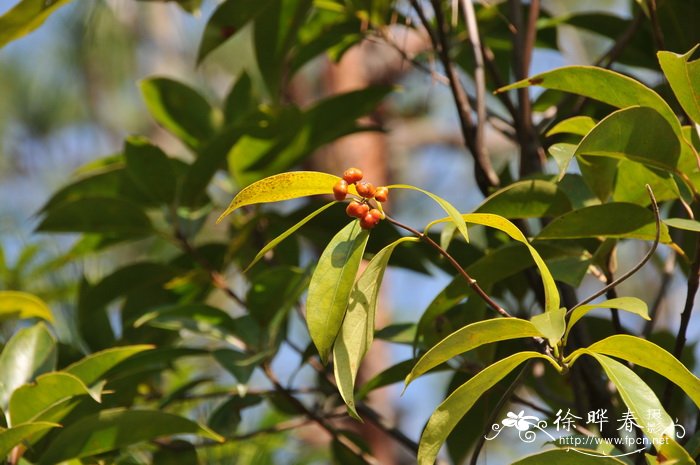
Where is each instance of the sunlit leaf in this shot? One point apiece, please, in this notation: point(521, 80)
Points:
point(30, 400)
point(331, 284)
point(683, 223)
point(578, 125)
point(527, 199)
point(471, 337)
point(628, 304)
point(17, 304)
point(551, 325)
point(26, 16)
point(93, 367)
point(357, 331)
point(284, 186)
point(684, 78)
point(452, 409)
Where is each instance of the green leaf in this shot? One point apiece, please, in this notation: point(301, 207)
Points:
point(638, 134)
point(26, 16)
point(562, 153)
point(471, 337)
point(227, 20)
point(449, 412)
point(284, 186)
point(671, 453)
point(684, 78)
point(29, 353)
point(628, 304)
point(569, 457)
point(198, 318)
point(240, 100)
point(30, 400)
point(604, 85)
point(180, 109)
point(150, 169)
point(239, 364)
point(331, 284)
point(92, 368)
point(22, 305)
point(226, 418)
point(638, 397)
point(394, 374)
point(578, 125)
point(648, 355)
point(357, 330)
point(274, 242)
point(617, 220)
point(527, 199)
point(112, 429)
point(455, 215)
point(551, 325)
point(97, 215)
point(683, 223)
point(11, 437)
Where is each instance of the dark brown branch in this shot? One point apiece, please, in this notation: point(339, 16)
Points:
point(470, 281)
point(666, 277)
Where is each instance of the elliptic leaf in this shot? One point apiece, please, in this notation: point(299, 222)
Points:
point(604, 85)
point(179, 109)
point(357, 331)
point(471, 337)
point(684, 78)
point(284, 186)
point(93, 367)
point(455, 215)
point(648, 355)
point(683, 223)
point(30, 400)
point(527, 199)
point(16, 304)
point(628, 304)
point(9, 438)
point(112, 429)
point(29, 353)
point(616, 220)
point(562, 153)
point(578, 125)
point(551, 325)
point(199, 318)
point(150, 169)
point(569, 457)
point(331, 284)
point(97, 215)
point(26, 16)
point(449, 412)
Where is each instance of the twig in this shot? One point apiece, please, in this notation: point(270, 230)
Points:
point(649, 254)
point(612, 294)
point(470, 281)
point(657, 34)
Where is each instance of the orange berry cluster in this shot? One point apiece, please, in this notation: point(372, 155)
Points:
point(369, 217)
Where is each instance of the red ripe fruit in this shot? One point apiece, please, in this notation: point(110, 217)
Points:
point(376, 214)
point(357, 209)
point(365, 189)
point(368, 221)
point(382, 194)
point(352, 175)
point(340, 190)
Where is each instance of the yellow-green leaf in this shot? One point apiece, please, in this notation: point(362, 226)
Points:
point(331, 283)
point(9, 438)
point(577, 125)
point(16, 304)
point(26, 16)
point(470, 337)
point(451, 410)
point(684, 77)
point(628, 304)
point(357, 331)
point(551, 324)
point(29, 401)
point(284, 186)
point(455, 215)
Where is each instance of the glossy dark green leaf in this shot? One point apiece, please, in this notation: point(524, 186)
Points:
point(240, 100)
point(180, 109)
point(11, 437)
point(449, 412)
point(30, 352)
point(331, 284)
point(684, 77)
point(227, 20)
point(618, 220)
point(150, 169)
point(29, 401)
point(638, 134)
point(111, 429)
point(24, 17)
point(227, 416)
point(470, 337)
point(97, 215)
point(527, 199)
point(357, 330)
point(177, 452)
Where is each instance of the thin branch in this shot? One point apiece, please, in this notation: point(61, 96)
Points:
point(470, 281)
point(657, 34)
point(666, 278)
point(612, 294)
point(649, 254)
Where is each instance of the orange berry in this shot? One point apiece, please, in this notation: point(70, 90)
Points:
point(340, 190)
point(357, 209)
point(365, 189)
point(376, 214)
point(382, 194)
point(368, 221)
point(352, 175)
